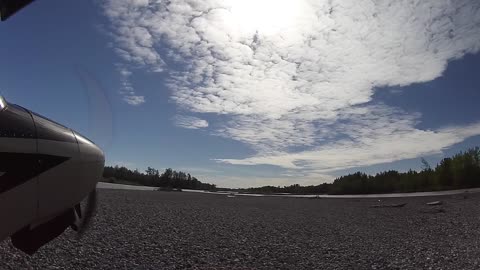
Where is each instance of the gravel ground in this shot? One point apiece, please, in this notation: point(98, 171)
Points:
point(178, 230)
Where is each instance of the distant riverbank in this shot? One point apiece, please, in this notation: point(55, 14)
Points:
point(104, 185)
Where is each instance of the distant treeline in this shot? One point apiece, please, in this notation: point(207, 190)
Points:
point(152, 177)
point(460, 171)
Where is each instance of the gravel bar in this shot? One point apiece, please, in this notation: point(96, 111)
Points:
point(180, 230)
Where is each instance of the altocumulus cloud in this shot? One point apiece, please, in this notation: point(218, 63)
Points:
point(126, 90)
point(294, 78)
point(190, 122)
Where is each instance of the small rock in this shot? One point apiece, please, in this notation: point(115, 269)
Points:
point(435, 203)
point(389, 205)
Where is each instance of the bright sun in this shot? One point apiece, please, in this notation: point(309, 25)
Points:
point(268, 17)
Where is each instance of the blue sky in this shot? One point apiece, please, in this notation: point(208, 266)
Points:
point(240, 94)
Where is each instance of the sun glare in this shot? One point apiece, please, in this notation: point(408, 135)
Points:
point(267, 17)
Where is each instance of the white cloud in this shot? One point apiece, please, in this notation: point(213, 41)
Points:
point(134, 100)
point(367, 150)
point(190, 122)
point(295, 74)
point(126, 88)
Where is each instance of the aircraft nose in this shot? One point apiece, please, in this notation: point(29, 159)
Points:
point(92, 162)
point(90, 151)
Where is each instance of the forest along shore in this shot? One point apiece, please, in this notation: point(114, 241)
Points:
point(177, 230)
point(103, 185)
